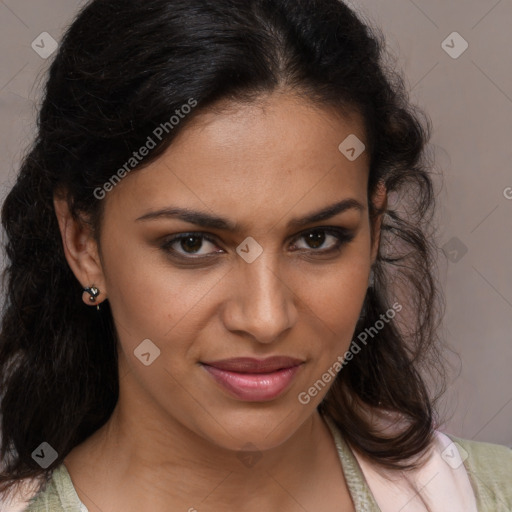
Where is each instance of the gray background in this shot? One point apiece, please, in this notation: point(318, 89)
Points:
point(468, 98)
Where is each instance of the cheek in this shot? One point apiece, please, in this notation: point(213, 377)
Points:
point(151, 299)
point(336, 292)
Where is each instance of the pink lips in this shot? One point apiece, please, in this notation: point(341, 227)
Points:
point(254, 380)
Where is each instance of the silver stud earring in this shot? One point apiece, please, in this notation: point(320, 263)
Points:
point(93, 293)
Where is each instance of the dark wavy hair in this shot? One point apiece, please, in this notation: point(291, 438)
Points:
point(123, 68)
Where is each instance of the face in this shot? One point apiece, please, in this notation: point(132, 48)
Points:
point(271, 282)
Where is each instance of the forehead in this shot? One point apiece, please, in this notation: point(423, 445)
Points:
point(271, 155)
point(276, 127)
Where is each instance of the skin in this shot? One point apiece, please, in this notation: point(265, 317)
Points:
point(174, 438)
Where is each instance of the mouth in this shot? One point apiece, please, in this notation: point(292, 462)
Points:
point(254, 380)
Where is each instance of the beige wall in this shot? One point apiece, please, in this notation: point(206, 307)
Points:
point(469, 99)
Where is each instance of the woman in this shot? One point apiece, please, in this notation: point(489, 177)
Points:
point(212, 301)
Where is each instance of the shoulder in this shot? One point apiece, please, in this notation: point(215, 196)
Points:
point(58, 495)
point(47, 498)
point(19, 495)
point(489, 467)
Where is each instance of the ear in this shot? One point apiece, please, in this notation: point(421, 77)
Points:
point(80, 249)
point(379, 200)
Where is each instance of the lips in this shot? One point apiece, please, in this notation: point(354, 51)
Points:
point(254, 380)
point(253, 365)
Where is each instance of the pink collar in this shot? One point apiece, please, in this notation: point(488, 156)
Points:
point(441, 483)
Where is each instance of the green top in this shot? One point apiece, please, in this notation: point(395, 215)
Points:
point(489, 467)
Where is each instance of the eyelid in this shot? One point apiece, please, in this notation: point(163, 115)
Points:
point(342, 235)
point(339, 230)
point(180, 236)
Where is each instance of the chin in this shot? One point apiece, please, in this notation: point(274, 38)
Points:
point(258, 425)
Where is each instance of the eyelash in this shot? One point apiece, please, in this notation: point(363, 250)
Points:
point(342, 235)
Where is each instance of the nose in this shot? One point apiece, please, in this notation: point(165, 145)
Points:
point(262, 304)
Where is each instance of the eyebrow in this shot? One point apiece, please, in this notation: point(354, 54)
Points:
point(214, 222)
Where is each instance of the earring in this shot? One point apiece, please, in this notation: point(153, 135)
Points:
point(93, 293)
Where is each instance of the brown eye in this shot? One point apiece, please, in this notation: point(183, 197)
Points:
point(189, 243)
point(315, 239)
point(318, 238)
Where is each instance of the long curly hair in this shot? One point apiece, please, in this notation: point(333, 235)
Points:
point(123, 68)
